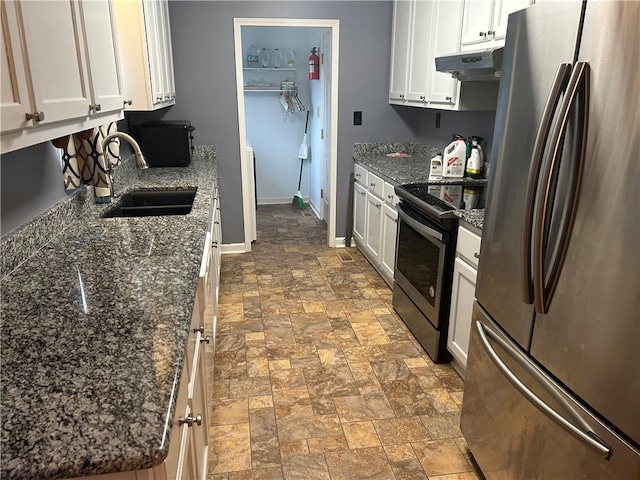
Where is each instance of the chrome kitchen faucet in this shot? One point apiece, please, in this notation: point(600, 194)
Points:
point(140, 160)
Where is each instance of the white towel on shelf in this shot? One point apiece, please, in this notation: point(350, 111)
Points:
point(83, 161)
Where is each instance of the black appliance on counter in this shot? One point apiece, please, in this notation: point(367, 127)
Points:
point(425, 254)
point(167, 143)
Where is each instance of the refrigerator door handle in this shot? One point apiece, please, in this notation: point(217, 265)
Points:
point(558, 86)
point(577, 91)
point(582, 431)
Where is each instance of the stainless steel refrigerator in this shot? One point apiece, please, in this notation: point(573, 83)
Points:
point(552, 386)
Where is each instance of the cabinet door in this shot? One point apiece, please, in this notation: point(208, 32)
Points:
point(420, 59)
point(462, 297)
point(55, 49)
point(501, 11)
point(388, 249)
point(359, 210)
point(400, 45)
point(167, 53)
point(476, 22)
point(445, 25)
point(199, 408)
point(13, 83)
point(373, 226)
point(102, 55)
point(154, 43)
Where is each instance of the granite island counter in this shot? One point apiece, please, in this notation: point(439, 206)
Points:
point(96, 314)
point(414, 168)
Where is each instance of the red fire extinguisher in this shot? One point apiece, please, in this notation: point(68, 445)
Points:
point(314, 65)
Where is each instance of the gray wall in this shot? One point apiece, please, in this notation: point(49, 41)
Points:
point(203, 54)
point(31, 182)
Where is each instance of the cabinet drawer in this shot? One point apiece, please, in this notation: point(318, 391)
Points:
point(375, 184)
point(390, 194)
point(360, 174)
point(468, 246)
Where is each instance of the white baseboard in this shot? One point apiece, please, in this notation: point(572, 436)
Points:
point(314, 208)
point(233, 248)
point(279, 200)
point(340, 242)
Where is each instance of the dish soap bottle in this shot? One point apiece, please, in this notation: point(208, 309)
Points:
point(435, 169)
point(454, 158)
point(476, 159)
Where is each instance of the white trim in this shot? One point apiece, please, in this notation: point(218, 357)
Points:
point(233, 248)
point(340, 242)
point(316, 212)
point(279, 200)
point(334, 25)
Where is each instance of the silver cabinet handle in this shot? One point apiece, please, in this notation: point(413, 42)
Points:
point(584, 433)
point(206, 339)
point(95, 107)
point(482, 34)
point(362, 193)
point(35, 116)
point(200, 329)
point(190, 420)
point(377, 205)
point(373, 184)
point(448, 99)
point(402, 95)
point(127, 102)
point(476, 255)
point(491, 32)
point(422, 97)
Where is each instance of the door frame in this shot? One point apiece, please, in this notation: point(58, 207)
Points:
point(334, 26)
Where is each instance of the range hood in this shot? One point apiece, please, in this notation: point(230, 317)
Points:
point(476, 66)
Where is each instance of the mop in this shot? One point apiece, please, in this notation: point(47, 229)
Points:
point(303, 152)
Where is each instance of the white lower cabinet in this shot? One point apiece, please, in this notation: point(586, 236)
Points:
point(389, 230)
point(359, 211)
point(374, 220)
point(373, 226)
point(462, 296)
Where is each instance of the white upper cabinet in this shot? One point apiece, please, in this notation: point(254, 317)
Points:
point(60, 69)
point(147, 61)
point(422, 30)
point(400, 44)
point(485, 22)
point(14, 103)
point(103, 57)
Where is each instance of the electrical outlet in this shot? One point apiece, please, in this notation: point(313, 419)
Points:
point(357, 118)
point(438, 120)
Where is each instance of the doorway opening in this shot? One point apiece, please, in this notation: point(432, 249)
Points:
point(260, 88)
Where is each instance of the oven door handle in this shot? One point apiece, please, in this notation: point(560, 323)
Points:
point(419, 227)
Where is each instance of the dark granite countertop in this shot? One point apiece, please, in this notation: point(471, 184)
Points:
point(411, 169)
point(94, 330)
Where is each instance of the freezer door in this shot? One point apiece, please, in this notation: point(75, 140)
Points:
point(590, 337)
point(539, 39)
point(529, 428)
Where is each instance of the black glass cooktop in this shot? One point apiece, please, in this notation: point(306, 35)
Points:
point(444, 198)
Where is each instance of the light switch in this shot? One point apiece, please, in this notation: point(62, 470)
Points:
point(357, 118)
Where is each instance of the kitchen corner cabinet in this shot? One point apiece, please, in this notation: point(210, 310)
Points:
point(60, 70)
point(147, 61)
point(462, 296)
point(422, 30)
point(484, 23)
point(375, 220)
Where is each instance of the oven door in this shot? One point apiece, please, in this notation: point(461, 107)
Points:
point(420, 262)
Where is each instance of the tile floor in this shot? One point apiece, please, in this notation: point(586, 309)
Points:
point(315, 377)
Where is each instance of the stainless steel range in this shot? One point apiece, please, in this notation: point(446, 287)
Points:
point(425, 252)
